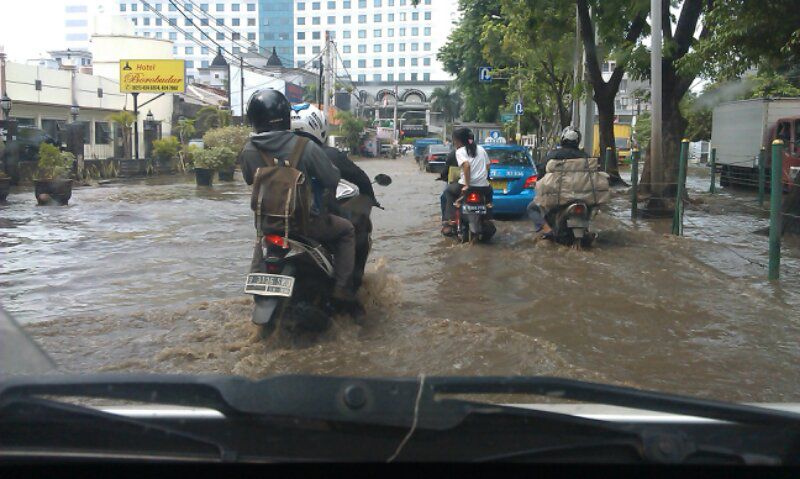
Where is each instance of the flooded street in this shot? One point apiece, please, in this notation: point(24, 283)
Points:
point(148, 276)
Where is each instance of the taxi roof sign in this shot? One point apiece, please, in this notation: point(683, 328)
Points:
point(152, 76)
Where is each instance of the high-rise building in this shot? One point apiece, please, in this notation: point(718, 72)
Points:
point(78, 20)
point(378, 40)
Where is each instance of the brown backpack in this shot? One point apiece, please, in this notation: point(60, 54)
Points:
point(281, 197)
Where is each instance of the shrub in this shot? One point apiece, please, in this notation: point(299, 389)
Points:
point(53, 163)
point(231, 137)
point(217, 158)
point(166, 149)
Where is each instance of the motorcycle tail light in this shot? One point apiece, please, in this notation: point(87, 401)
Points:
point(579, 209)
point(531, 182)
point(276, 240)
point(473, 198)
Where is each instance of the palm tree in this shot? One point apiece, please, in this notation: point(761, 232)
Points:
point(210, 117)
point(125, 120)
point(185, 129)
point(448, 101)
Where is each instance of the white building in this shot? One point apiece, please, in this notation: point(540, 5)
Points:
point(231, 23)
point(78, 21)
point(378, 40)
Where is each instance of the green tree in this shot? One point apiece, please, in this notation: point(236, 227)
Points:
point(185, 129)
point(210, 117)
point(125, 121)
point(352, 129)
point(448, 101)
point(310, 95)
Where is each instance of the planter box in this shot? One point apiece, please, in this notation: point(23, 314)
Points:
point(129, 168)
point(163, 166)
point(59, 190)
point(203, 176)
point(226, 175)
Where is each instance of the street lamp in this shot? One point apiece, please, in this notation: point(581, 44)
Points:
point(74, 110)
point(5, 105)
point(150, 116)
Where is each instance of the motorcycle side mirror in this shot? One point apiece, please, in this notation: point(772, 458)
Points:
point(383, 180)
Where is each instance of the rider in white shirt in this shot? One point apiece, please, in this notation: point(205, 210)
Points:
point(474, 164)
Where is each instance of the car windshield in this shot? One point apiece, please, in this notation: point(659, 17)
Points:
point(508, 157)
point(262, 188)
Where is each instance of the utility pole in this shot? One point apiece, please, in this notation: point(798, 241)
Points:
point(519, 100)
point(588, 115)
point(576, 104)
point(241, 97)
point(394, 122)
point(656, 161)
point(325, 95)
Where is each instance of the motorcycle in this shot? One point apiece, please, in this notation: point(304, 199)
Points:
point(570, 224)
point(473, 217)
point(298, 284)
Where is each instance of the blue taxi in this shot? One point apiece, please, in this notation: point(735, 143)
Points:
point(512, 176)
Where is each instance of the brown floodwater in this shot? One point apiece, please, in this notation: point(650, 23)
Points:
point(147, 276)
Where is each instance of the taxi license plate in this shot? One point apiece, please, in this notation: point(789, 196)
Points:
point(498, 184)
point(269, 285)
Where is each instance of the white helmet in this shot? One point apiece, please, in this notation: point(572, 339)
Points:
point(570, 134)
point(308, 119)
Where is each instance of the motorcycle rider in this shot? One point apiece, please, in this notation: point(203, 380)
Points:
point(269, 113)
point(443, 176)
point(308, 121)
point(474, 163)
point(568, 149)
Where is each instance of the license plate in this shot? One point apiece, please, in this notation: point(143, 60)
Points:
point(498, 184)
point(577, 223)
point(269, 285)
point(474, 209)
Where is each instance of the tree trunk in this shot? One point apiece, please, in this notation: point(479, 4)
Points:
point(605, 113)
point(672, 131)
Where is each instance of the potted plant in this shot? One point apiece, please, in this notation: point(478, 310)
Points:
point(5, 185)
point(231, 137)
point(51, 185)
point(227, 163)
point(206, 161)
point(165, 151)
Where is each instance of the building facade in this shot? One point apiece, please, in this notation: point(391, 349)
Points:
point(78, 21)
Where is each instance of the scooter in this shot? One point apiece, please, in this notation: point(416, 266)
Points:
point(297, 287)
point(570, 224)
point(473, 217)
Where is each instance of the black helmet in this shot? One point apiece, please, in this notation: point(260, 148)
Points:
point(269, 110)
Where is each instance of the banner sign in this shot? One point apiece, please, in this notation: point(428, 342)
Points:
point(152, 76)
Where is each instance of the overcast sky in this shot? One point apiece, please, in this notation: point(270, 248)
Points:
point(29, 28)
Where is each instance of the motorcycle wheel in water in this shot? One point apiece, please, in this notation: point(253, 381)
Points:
point(296, 290)
point(473, 218)
point(570, 224)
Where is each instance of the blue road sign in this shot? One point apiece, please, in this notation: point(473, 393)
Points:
point(518, 109)
point(485, 74)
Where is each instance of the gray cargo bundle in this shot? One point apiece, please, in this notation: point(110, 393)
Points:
point(573, 179)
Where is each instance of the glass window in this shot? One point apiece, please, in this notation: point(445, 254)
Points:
point(134, 7)
point(236, 35)
point(362, 34)
point(301, 50)
point(251, 36)
point(346, 63)
point(237, 50)
point(413, 77)
point(158, 22)
point(390, 76)
point(401, 61)
point(390, 62)
point(158, 35)
point(123, 7)
point(403, 31)
point(301, 20)
point(402, 47)
point(427, 2)
point(376, 77)
point(376, 48)
point(415, 47)
point(251, 22)
point(390, 17)
point(220, 36)
point(362, 3)
point(135, 22)
point(220, 21)
point(414, 62)
point(362, 19)
point(414, 16)
point(315, 49)
point(189, 64)
point(362, 49)
point(402, 16)
point(390, 47)
point(102, 133)
point(204, 7)
point(427, 46)
point(346, 49)
point(204, 51)
point(187, 6)
point(314, 5)
point(301, 5)
point(390, 32)
point(315, 35)
point(174, 50)
point(204, 64)
point(235, 7)
point(377, 33)
point(158, 7)
point(426, 61)
point(315, 20)
point(376, 62)
point(346, 19)
point(190, 50)
point(346, 4)
point(426, 76)
point(377, 3)
point(427, 15)
point(147, 34)
point(331, 20)
point(427, 31)
point(346, 34)
point(377, 18)
point(204, 22)
point(235, 22)
point(362, 77)
point(414, 31)
point(172, 21)
point(331, 5)
point(362, 63)
point(251, 7)
point(220, 7)
point(173, 36)
point(402, 76)
point(301, 35)
point(146, 21)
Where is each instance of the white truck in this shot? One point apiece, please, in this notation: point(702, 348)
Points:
point(741, 128)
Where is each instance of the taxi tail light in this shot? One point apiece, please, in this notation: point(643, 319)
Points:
point(474, 198)
point(530, 182)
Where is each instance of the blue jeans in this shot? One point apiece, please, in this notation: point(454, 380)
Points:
point(535, 214)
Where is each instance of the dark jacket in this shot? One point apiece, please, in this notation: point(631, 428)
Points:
point(450, 161)
point(350, 171)
point(314, 162)
point(560, 153)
